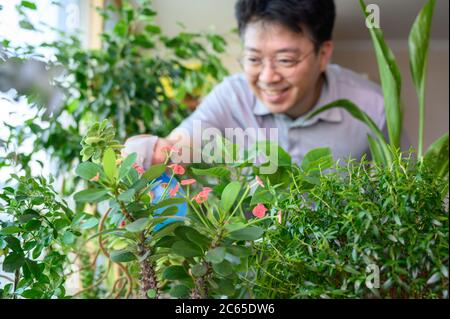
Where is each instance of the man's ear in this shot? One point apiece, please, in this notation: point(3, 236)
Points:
point(326, 52)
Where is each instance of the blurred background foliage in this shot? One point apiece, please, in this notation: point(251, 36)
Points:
point(140, 79)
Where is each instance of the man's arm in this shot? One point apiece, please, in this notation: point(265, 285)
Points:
point(215, 111)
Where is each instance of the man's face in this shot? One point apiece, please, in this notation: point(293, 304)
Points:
point(283, 68)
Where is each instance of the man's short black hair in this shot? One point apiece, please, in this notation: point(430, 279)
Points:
point(316, 15)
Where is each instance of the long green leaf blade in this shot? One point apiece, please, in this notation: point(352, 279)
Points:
point(390, 82)
point(418, 54)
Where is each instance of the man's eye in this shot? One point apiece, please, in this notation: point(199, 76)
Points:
point(286, 62)
point(253, 60)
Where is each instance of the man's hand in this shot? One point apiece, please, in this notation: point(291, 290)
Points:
point(152, 149)
point(160, 150)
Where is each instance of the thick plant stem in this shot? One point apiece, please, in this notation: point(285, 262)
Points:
point(201, 284)
point(201, 288)
point(147, 275)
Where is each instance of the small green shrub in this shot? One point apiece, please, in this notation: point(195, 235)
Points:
point(35, 239)
point(357, 219)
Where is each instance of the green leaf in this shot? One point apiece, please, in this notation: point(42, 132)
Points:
point(376, 151)
point(127, 196)
point(121, 28)
point(225, 287)
point(229, 195)
point(418, 55)
point(239, 251)
point(357, 113)
point(34, 268)
point(91, 195)
point(175, 273)
point(151, 293)
point(218, 171)
point(32, 225)
point(28, 215)
point(199, 270)
point(28, 4)
point(13, 262)
point(154, 172)
point(390, 81)
point(90, 223)
point(10, 230)
point(169, 211)
point(137, 226)
point(179, 291)
point(122, 256)
point(32, 293)
point(126, 165)
point(169, 202)
point(197, 238)
point(168, 229)
point(148, 12)
point(68, 238)
point(109, 164)
point(224, 268)
point(216, 255)
point(436, 157)
point(87, 170)
point(270, 150)
point(434, 278)
point(318, 159)
point(248, 233)
point(166, 241)
point(153, 29)
point(186, 249)
point(262, 196)
point(14, 244)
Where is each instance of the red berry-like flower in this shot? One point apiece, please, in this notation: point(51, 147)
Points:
point(259, 181)
point(188, 182)
point(177, 169)
point(95, 178)
point(139, 169)
point(259, 211)
point(201, 197)
point(173, 192)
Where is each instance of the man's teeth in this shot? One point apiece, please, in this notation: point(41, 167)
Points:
point(273, 92)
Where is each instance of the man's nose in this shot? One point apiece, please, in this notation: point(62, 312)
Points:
point(269, 73)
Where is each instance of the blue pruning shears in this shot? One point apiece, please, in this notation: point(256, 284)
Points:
point(158, 191)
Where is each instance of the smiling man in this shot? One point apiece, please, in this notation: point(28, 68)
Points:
point(287, 47)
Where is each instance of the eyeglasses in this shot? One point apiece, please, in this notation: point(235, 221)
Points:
point(253, 65)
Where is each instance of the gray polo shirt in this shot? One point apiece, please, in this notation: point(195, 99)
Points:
point(233, 105)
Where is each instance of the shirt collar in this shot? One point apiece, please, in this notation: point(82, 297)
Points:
point(327, 96)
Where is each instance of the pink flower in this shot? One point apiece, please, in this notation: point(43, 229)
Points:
point(201, 197)
point(259, 181)
point(139, 169)
point(177, 169)
point(279, 216)
point(188, 182)
point(259, 211)
point(173, 192)
point(123, 223)
point(95, 178)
